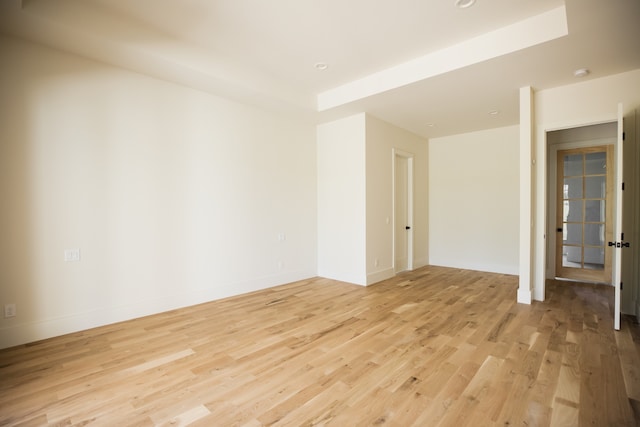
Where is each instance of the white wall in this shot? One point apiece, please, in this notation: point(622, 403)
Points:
point(474, 200)
point(341, 200)
point(588, 102)
point(355, 198)
point(173, 196)
point(381, 139)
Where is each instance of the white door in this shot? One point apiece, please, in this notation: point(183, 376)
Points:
point(618, 242)
point(630, 273)
point(403, 211)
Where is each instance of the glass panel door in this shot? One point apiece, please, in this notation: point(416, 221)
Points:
point(583, 207)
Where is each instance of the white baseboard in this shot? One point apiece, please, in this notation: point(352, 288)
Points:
point(23, 333)
point(513, 270)
point(524, 296)
point(379, 276)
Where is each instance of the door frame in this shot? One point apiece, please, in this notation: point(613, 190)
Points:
point(543, 215)
point(551, 194)
point(396, 153)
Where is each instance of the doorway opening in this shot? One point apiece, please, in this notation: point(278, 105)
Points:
point(581, 203)
point(625, 204)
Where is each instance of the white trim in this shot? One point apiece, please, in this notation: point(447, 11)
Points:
point(526, 192)
point(379, 276)
point(524, 296)
point(34, 331)
point(539, 240)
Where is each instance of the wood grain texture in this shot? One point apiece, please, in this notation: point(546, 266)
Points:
point(432, 347)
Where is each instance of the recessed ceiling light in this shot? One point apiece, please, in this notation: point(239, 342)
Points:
point(463, 4)
point(494, 112)
point(320, 66)
point(582, 72)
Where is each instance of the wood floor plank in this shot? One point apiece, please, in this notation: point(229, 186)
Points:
point(435, 346)
point(630, 361)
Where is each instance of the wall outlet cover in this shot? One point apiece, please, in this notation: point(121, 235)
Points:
point(9, 310)
point(72, 255)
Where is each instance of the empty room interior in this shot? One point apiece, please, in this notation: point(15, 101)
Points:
point(345, 213)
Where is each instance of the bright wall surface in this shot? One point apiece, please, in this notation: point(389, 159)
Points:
point(381, 139)
point(588, 102)
point(584, 103)
point(474, 200)
point(341, 199)
point(173, 196)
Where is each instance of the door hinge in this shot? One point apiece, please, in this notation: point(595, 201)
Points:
point(621, 286)
point(621, 236)
point(623, 135)
point(623, 186)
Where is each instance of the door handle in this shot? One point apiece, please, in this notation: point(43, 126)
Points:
point(619, 244)
point(407, 228)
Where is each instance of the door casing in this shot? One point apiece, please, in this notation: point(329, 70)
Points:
point(552, 176)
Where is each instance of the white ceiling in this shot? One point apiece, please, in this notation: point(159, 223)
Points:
point(410, 62)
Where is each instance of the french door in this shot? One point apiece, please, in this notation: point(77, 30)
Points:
point(584, 217)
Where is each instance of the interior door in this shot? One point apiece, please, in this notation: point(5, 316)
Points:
point(403, 209)
point(630, 274)
point(619, 243)
point(584, 217)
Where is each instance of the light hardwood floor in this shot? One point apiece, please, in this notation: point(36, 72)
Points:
point(432, 347)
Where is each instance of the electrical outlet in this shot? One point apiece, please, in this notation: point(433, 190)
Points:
point(72, 255)
point(9, 310)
